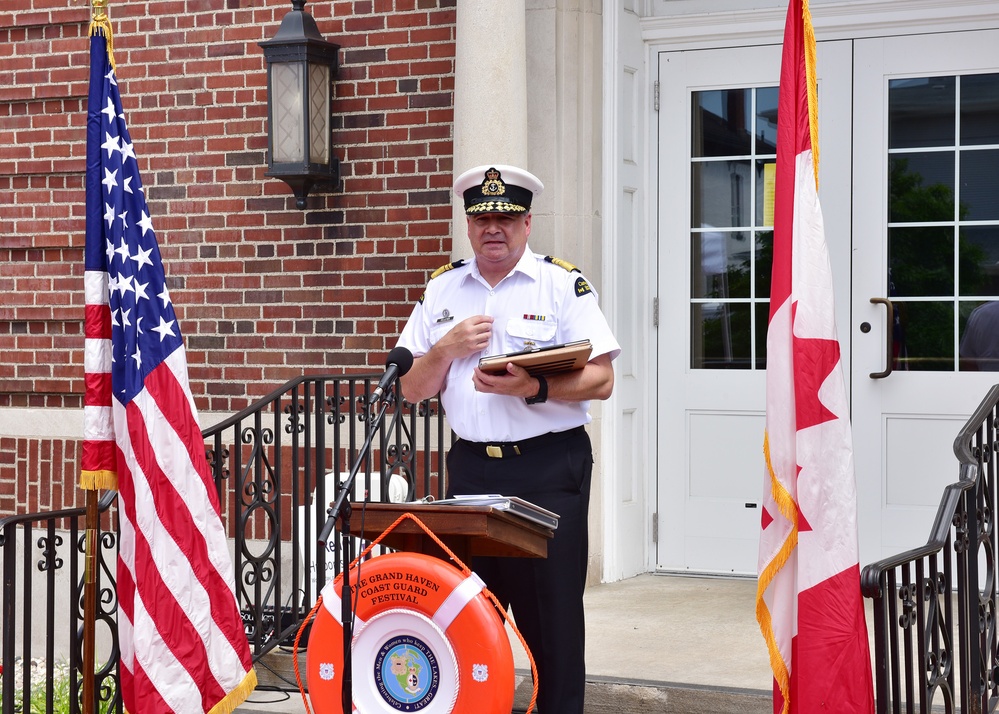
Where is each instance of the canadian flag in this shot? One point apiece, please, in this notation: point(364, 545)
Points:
point(809, 604)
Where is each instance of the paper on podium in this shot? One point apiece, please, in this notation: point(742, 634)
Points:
point(510, 504)
point(543, 360)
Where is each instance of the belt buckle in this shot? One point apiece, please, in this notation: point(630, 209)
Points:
point(493, 451)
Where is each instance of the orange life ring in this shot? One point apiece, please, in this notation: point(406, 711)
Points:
point(426, 639)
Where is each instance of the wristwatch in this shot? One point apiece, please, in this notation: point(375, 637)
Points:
point(542, 396)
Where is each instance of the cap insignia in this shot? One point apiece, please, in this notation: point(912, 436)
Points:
point(493, 185)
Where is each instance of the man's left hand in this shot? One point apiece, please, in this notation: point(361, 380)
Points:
point(515, 382)
point(594, 381)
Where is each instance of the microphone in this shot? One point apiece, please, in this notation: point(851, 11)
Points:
point(397, 363)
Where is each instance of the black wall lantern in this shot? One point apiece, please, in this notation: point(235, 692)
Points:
point(300, 70)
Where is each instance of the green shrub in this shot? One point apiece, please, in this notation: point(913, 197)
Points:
point(38, 701)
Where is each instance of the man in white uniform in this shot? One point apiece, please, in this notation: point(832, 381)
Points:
point(980, 342)
point(518, 435)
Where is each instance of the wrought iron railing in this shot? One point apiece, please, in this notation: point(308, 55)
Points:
point(276, 465)
point(935, 644)
point(42, 582)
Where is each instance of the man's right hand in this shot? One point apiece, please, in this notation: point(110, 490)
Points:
point(426, 377)
point(468, 337)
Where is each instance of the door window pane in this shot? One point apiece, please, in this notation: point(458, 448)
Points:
point(921, 187)
point(979, 260)
point(766, 120)
point(762, 319)
point(921, 112)
point(980, 185)
point(764, 263)
point(921, 261)
point(980, 336)
point(720, 264)
point(766, 174)
point(720, 335)
point(721, 123)
point(979, 108)
point(719, 193)
point(924, 340)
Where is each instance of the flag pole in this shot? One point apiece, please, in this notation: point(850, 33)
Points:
point(98, 16)
point(90, 597)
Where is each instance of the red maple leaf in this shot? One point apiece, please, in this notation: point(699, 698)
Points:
point(814, 360)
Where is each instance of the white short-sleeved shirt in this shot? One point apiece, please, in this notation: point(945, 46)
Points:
point(981, 337)
point(538, 304)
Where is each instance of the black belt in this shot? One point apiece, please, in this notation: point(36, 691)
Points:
point(509, 449)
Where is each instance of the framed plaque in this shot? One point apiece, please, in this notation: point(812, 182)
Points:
point(542, 361)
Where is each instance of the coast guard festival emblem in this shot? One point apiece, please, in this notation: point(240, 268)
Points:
point(407, 673)
point(493, 186)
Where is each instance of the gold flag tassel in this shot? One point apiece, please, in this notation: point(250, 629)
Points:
point(100, 24)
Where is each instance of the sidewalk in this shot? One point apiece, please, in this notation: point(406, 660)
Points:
point(689, 630)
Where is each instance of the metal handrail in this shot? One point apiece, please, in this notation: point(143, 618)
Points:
point(940, 532)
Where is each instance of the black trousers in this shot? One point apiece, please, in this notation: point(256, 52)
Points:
point(544, 594)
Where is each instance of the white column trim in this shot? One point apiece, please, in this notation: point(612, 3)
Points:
point(490, 93)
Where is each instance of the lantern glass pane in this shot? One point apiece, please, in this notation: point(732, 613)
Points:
point(319, 110)
point(287, 113)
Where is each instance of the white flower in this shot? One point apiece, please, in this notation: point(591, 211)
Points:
point(480, 672)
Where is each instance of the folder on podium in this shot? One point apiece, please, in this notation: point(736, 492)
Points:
point(512, 504)
point(468, 530)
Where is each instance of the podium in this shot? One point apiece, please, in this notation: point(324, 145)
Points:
point(467, 530)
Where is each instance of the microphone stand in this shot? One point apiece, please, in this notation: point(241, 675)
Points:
point(341, 509)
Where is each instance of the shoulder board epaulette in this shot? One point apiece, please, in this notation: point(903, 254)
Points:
point(565, 264)
point(444, 268)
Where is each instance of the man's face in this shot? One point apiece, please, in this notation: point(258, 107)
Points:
point(499, 239)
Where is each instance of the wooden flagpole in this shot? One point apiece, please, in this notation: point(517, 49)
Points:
point(90, 597)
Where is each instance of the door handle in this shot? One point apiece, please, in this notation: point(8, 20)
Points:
point(889, 338)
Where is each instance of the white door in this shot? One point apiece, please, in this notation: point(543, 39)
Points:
point(717, 143)
point(909, 183)
point(926, 240)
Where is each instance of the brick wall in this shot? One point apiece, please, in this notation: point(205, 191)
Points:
point(38, 474)
point(263, 291)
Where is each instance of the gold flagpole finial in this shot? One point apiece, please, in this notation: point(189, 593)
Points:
point(100, 24)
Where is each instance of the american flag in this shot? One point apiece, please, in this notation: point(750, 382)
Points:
point(808, 595)
point(182, 643)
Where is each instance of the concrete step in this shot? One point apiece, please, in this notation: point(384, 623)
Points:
point(278, 694)
point(606, 695)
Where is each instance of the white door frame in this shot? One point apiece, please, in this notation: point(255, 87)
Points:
point(629, 268)
point(713, 24)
